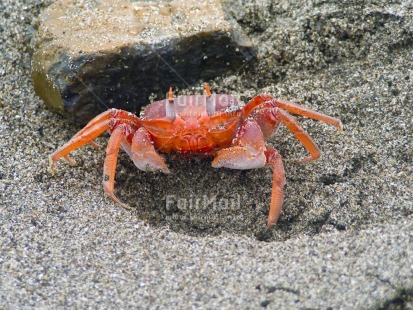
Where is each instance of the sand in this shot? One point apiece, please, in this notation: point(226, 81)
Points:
point(345, 239)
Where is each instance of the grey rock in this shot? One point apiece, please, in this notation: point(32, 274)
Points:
point(93, 55)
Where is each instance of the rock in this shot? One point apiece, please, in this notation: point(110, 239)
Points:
point(89, 55)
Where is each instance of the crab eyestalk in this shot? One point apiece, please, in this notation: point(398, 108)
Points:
point(210, 101)
point(169, 105)
point(207, 89)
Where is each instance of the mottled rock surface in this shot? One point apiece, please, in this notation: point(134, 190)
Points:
point(91, 55)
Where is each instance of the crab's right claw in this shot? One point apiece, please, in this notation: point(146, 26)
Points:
point(144, 155)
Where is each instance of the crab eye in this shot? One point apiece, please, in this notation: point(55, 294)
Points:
point(169, 106)
point(211, 102)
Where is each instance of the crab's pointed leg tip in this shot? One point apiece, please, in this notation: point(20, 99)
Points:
point(269, 227)
point(112, 196)
point(340, 127)
point(126, 206)
point(271, 223)
point(71, 161)
point(94, 144)
point(51, 165)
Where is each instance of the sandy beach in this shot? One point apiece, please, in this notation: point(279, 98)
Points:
point(345, 239)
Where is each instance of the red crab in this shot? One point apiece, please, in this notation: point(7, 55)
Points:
point(212, 125)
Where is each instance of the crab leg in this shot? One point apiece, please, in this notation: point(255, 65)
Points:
point(306, 140)
point(95, 121)
point(109, 167)
point(278, 181)
point(98, 125)
point(269, 117)
point(112, 113)
point(255, 102)
point(77, 141)
point(299, 110)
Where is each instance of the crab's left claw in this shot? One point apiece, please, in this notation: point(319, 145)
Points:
point(251, 152)
point(248, 153)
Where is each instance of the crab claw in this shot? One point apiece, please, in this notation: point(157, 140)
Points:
point(238, 157)
point(248, 154)
point(144, 154)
